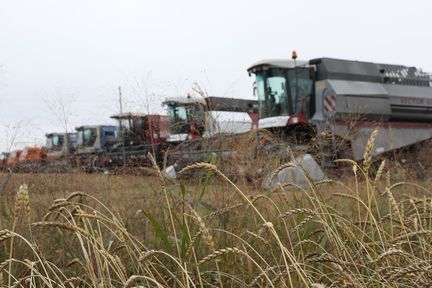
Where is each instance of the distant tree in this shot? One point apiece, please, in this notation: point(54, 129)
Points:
point(147, 94)
point(11, 134)
point(61, 108)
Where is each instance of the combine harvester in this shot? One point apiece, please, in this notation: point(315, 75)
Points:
point(31, 159)
point(334, 105)
point(204, 126)
point(139, 135)
point(93, 144)
point(60, 148)
point(126, 146)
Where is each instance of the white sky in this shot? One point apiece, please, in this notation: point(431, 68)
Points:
point(82, 50)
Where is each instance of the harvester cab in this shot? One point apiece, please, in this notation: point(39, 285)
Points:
point(93, 143)
point(93, 139)
point(197, 117)
point(60, 146)
point(186, 117)
point(285, 91)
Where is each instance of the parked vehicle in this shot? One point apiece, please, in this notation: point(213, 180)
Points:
point(203, 126)
point(139, 134)
point(327, 102)
point(60, 146)
point(31, 159)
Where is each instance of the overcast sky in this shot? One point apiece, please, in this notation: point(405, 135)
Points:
point(82, 50)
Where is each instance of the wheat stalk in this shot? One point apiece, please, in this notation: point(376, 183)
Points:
point(368, 152)
point(207, 237)
point(198, 166)
point(156, 168)
point(64, 226)
point(224, 210)
point(379, 173)
point(280, 168)
point(22, 201)
point(389, 252)
point(220, 253)
point(303, 222)
point(297, 211)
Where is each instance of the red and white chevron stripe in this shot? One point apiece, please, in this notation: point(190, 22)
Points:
point(330, 103)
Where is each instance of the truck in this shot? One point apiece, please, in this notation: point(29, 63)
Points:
point(324, 102)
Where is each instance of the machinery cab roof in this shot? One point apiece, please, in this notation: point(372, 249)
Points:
point(129, 115)
point(107, 127)
point(276, 63)
point(184, 100)
point(59, 133)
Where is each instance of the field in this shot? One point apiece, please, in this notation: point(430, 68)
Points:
point(370, 228)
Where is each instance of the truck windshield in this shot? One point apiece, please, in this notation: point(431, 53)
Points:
point(178, 118)
point(282, 92)
point(87, 137)
point(182, 116)
point(55, 142)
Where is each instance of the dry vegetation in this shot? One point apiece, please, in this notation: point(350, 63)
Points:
point(368, 230)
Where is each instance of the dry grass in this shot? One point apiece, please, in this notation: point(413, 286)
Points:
point(371, 229)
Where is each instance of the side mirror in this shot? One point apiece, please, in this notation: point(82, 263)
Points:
point(255, 89)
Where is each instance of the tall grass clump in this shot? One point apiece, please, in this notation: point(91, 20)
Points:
point(364, 231)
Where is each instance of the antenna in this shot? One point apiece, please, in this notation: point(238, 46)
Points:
point(121, 129)
point(294, 57)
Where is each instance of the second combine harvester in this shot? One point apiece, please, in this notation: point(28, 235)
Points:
point(204, 126)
